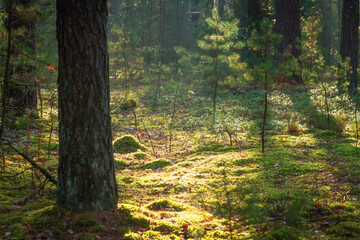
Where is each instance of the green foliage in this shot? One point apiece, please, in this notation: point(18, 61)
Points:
point(128, 104)
point(20, 123)
point(127, 144)
point(263, 44)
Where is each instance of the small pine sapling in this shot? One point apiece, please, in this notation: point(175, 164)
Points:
point(263, 43)
point(219, 46)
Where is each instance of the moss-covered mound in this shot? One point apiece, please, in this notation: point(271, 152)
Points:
point(127, 144)
point(166, 205)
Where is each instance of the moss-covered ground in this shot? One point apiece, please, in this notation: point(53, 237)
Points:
point(196, 179)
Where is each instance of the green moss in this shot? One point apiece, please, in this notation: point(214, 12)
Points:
point(326, 134)
point(165, 227)
point(166, 205)
point(196, 232)
point(44, 218)
point(16, 232)
point(140, 155)
point(157, 164)
point(12, 220)
point(346, 229)
point(88, 238)
point(140, 221)
point(217, 148)
point(121, 164)
point(87, 222)
point(284, 233)
point(347, 151)
point(127, 144)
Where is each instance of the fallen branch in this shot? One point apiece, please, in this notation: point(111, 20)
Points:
point(34, 164)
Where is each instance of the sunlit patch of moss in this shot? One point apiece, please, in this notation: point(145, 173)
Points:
point(346, 151)
point(127, 144)
point(140, 155)
point(216, 148)
point(197, 232)
point(121, 164)
point(326, 134)
point(167, 205)
point(156, 164)
point(165, 227)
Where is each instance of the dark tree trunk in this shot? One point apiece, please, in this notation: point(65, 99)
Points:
point(288, 25)
point(239, 8)
point(162, 29)
point(221, 7)
point(22, 88)
point(349, 45)
point(86, 177)
point(254, 14)
point(326, 36)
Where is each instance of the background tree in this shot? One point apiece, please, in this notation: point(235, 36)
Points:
point(21, 94)
point(349, 45)
point(287, 14)
point(86, 178)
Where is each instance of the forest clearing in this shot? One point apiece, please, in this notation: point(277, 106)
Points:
point(228, 119)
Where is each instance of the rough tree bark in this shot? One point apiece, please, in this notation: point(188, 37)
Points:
point(288, 25)
point(86, 177)
point(349, 45)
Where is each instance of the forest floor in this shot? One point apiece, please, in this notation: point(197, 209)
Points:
point(201, 184)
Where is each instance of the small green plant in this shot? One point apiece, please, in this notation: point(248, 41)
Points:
point(263, 43)
point(128, 104)
point(221, 57)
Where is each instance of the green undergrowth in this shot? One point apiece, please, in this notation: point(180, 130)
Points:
point(305, 185)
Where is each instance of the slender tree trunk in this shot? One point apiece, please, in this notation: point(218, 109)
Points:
point(288, 25)
point(327, 34)
point(349, 45)
point(264, 122)
point(86, 176)
point(6, 74)
point(254, 14)
point(21, 92)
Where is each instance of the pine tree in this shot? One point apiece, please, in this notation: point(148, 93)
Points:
point(86, 175)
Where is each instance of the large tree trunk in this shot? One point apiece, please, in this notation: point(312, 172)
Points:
point(349, 45)
point(86, 177)
point(288, 25)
